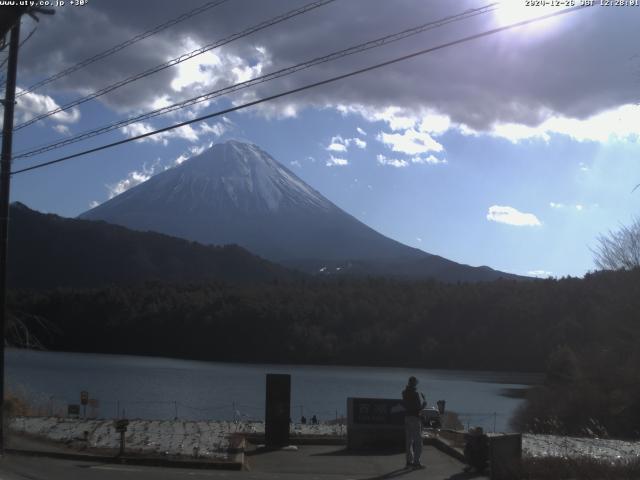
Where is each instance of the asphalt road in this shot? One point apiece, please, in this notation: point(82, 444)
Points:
point(308, 462)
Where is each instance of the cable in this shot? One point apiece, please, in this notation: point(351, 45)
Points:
point(4, 82)
point(125, 44)
point(257, 80)
point(19, 46)
point(26, 39)
point(306, 87)
point(177, 60)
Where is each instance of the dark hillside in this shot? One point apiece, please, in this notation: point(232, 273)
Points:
point(48, 251)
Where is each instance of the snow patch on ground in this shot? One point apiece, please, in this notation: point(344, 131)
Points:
point(211, 439)
point(202, 439)
point(572, 447)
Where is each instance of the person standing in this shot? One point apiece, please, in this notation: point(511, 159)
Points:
point(413, 402)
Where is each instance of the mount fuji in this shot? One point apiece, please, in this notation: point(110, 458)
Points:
point(235, 193)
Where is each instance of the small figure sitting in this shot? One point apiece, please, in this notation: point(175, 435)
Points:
point(476, 450)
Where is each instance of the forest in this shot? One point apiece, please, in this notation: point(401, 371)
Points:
point(583, 332)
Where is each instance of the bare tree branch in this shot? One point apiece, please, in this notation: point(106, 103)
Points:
point(619, 250)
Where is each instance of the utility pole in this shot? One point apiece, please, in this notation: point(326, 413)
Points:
point(5, 183)
point(10, 20)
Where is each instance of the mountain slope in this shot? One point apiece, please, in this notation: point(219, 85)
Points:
point(237, 193)
point(49, 251)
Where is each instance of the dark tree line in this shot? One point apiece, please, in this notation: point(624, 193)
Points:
point(583, 332)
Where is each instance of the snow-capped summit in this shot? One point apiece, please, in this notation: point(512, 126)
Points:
point(235, 193)
point(244, 177)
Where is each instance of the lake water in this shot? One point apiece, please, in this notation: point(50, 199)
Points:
point(161, 388)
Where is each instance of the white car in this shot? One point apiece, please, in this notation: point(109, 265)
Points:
point(431, 418)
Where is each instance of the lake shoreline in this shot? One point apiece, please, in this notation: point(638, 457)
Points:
point(535, 377)
point(164, 388)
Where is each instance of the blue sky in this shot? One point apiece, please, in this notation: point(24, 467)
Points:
point(515, 152)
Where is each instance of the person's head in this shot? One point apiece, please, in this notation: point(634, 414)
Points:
point(413, 381)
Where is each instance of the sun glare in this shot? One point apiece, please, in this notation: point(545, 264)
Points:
point(513, 11)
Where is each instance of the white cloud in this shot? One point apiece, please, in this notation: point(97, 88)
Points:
point(336, 162)
point(359, 143)
point(63, 129)
point(186, 132)
point(540, 273)
point(196, 70)
point(339, 144)
point(431, 160)
point(140, 128)
point(411, 142)
point(337, 147)
point(296, 163)
point(197, 150)
point(181, 158)
point(133, 178)
point(207, 69)
point(558, 206)
point(361, 131)
point(161, 102)
point(511, 216)
point(192, 151)
point(411, 132)
point(396, 117)
point(392, 162)
point(400, 163)
point(618, 124)
point(31, 105)
point(93, 204)
point(434, 123)
point(473, 87)
point(218, 129)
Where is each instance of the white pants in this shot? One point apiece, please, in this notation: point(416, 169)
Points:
point(413, 439)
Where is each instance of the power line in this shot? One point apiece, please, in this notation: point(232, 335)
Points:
point(121, 46)
point(19, 47)
point(175, 61)
point(306, 87)
point(379, 42)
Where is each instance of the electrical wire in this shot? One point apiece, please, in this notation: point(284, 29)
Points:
point(175, 61)
point(3, 82)
point(306, 87)
point(379, 42)
point(121, 46)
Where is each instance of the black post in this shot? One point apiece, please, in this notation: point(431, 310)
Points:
point(5, 184)
point(122, 432)
point(278, 410)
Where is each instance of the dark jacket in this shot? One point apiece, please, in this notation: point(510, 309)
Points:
point(412, 402)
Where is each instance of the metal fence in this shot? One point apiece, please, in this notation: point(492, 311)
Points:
point(58, 406)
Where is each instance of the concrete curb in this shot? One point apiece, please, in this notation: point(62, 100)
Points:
point(438, 443)
point(149, 462)
point(258, 439)
point(444, 447)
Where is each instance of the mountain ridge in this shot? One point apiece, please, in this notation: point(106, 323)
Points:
point(48, 251)
point(237, 193)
